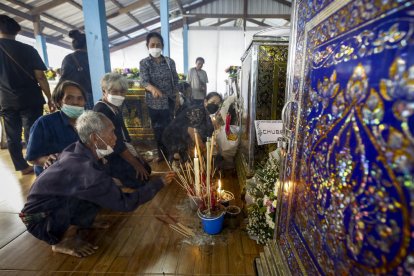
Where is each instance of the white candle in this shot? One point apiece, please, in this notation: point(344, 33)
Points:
point(208, 174)
point(196, 173)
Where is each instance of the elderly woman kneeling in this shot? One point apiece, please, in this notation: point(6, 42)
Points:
point(124, 163)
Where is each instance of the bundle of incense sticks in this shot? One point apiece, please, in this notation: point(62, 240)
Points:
point(185, 173)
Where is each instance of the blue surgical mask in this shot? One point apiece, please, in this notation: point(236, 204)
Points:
point(72, 111)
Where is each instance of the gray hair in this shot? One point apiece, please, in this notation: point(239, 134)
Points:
point(90, 122)
point(114, 81)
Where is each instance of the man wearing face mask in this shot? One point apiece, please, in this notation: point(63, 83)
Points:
point(179, 136)
point(69, 194)
point(51, 133)
point(124, 163)
point(159, 77)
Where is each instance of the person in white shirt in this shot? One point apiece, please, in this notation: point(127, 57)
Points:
point(198, 80)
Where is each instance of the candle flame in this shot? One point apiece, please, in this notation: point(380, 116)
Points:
point(195, 152)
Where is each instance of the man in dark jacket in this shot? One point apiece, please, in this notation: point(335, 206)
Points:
point(70, 193)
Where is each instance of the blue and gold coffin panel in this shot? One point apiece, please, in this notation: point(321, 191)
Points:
point(348, 194)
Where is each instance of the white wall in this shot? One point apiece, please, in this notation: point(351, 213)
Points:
point(132, 55)
point(55, 53)
point(220, 47)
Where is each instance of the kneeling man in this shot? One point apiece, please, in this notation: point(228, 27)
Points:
point(69, 194)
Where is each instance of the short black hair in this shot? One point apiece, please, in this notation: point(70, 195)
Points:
point(200, 59)
point(78, 39)
point(213, 94)
point(59, 91)
point(154, 34)
point(8, 25)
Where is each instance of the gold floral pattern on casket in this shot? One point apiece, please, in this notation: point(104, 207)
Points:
point(361, 205)
point(386, 36)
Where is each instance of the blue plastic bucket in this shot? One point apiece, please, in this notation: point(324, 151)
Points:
point(212, 225)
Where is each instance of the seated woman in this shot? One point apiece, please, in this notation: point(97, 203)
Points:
point(179, 136)
point(124, 163)
point(52, 133)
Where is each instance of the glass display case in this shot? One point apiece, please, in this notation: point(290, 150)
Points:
point(263, 79)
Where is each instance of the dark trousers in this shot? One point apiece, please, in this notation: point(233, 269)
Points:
point(14, 120)
point(160, 119)
point(73, 211)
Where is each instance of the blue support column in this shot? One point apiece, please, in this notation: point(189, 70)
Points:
point(165, 26)
point(97, 41)
point(40, 40)
point(41, 48)
point(185, 47)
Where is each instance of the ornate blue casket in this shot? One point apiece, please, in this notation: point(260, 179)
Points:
point(347, 198)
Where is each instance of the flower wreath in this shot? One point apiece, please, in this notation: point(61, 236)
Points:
point(262, 188)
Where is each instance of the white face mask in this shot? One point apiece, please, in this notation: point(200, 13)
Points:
point(155, 52)
point(103, 152)
point(115, 99)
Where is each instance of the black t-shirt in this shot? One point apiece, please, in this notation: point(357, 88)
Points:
point(17, 89)
point(115, 115)
point(75, 67)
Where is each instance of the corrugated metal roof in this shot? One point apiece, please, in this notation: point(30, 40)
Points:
point(267, 7)
point(237, 7)
point(221, 7)
point(65, 16)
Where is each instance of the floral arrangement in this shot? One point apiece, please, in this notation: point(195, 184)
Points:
point(51, 74)
point(182, 77)
point(263, 190)
point(232, 71)
point(129, 73)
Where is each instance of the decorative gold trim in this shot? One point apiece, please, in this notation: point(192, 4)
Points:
point(292, 247)
point(328, 11)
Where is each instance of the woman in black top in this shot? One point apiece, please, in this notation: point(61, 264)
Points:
point(179, 135)
point(124, 163)
point(75, 66)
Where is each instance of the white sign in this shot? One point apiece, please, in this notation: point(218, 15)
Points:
point(268, 131)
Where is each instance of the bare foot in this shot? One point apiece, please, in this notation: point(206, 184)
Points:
point(27, 170)
point(168, 178)
point(75, 247)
